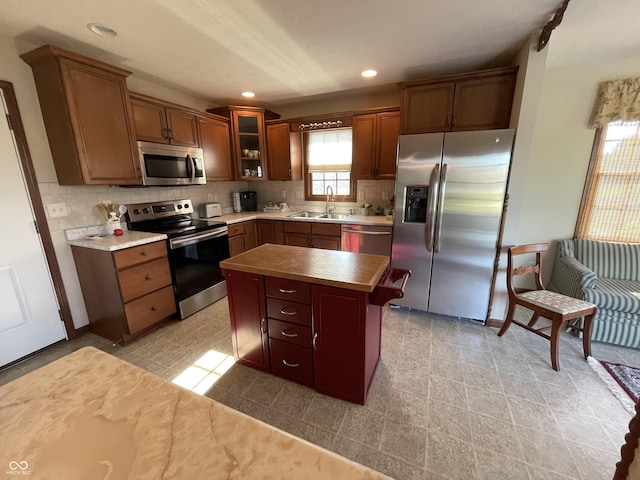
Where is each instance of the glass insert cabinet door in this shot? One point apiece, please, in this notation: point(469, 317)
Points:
point(250, 144)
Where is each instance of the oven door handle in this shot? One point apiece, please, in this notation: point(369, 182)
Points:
point(191, 239)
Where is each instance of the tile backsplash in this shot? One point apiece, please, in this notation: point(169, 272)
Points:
point(81, 201)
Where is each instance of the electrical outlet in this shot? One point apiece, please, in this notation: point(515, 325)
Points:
point(361, 194)
point(385, 195)
point(283, 194)
point(210, 197)
point(299, 194)
point(57, 210)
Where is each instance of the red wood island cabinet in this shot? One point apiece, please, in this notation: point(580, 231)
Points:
point(326, 337)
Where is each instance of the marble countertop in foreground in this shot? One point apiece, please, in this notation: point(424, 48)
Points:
point(90, 416)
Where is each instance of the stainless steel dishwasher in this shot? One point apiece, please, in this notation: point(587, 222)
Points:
point(373, 239)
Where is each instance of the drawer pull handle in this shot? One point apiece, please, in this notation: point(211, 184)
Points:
point(263, 326)
point(315, 341)
point(290, 364)
point(147, 277)
point(285, 334)
point(284, 290)
point(285, 312)
point(153, 309)
point(144, 253)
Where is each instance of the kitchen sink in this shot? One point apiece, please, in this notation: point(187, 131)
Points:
point(333, 216)
point(299, 215)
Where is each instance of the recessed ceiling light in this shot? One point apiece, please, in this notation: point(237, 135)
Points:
point(102, 30)
point(369, 73)
point(248, 94)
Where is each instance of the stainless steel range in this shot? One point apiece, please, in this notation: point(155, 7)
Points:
point(196, 248)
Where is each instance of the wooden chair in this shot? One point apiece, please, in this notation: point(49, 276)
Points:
point(558, 308)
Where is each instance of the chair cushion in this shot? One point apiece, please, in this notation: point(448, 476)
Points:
point(611, 294)
point(554, 302)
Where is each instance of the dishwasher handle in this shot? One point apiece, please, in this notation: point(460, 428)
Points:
point(365, 232)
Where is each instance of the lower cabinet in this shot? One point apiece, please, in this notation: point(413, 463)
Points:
point(126, 292)
point(270, 231)
point(313, 234)
point(323, 337)
point(247, 310)
point(242, 237)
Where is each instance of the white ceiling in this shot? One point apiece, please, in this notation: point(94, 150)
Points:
point(284, 50)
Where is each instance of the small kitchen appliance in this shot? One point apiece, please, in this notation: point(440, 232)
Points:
point(196, 248)
point(210, 210)
point(249, 201)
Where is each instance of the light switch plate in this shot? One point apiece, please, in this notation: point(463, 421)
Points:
point(57, 210)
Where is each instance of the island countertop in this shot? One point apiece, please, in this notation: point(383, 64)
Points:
point(353, 271)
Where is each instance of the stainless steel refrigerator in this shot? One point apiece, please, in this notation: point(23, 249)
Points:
point(450, 190)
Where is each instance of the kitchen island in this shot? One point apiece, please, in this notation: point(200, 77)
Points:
point(309, 315)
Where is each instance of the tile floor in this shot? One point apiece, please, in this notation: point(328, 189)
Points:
point(450, 399)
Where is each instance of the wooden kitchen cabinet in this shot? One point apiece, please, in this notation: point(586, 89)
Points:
point(375, 140)
point(248, 139)
point(161, 122)
point(242, 237)
point(313, 234)
point(216, 146)
point(270, 231)
point(347, 331)
point(248, 316)
point(126, 292)
point(88, 118)
point(473, 101)
point(285, 152)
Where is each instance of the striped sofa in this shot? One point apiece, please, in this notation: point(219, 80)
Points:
point(606, 274)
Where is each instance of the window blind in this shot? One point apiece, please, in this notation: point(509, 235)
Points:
point(611, 209)
point(329, 150)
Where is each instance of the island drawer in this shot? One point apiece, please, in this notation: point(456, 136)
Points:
point(292, 290)
point(290, 332)
point(292, 362)
point(289, 311)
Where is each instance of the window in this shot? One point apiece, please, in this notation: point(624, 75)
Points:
point(610, 208)
point(328, 164)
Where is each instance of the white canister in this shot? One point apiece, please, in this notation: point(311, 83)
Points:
point(237, 206)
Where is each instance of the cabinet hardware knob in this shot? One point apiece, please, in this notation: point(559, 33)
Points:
point(153, 309)
point(144, 253)
point(315, 341)
point(284, 290)
point(285, 334)
point(290, 364)
point(263, 326)
point(147, 277)
point(284, 312)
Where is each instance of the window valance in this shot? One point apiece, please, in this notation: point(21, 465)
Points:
point(617, 101)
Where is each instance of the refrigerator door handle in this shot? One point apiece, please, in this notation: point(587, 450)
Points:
point(434, 183)
point(443, 186)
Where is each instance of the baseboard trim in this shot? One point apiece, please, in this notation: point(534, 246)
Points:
point(494, 322)
point(83, 330)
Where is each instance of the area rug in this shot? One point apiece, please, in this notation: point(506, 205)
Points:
point(622, 380)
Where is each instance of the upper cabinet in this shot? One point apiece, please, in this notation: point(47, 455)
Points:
point(87, 116)
point(375, 141)
point(163, 123)
point(216, 146)
point(474, 101)
point(248, 139)
point(285, 152)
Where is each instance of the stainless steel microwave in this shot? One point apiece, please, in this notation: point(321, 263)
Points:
point(171, 164)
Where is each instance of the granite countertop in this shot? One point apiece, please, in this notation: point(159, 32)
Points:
point(113, 243)
point(353, 271)
point(352, 219)
point(90, 415)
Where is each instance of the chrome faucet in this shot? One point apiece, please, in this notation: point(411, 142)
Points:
point(330, 198)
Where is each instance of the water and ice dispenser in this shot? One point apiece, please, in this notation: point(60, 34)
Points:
point(415, 204)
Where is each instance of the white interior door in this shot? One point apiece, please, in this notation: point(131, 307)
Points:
point(29, 318)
